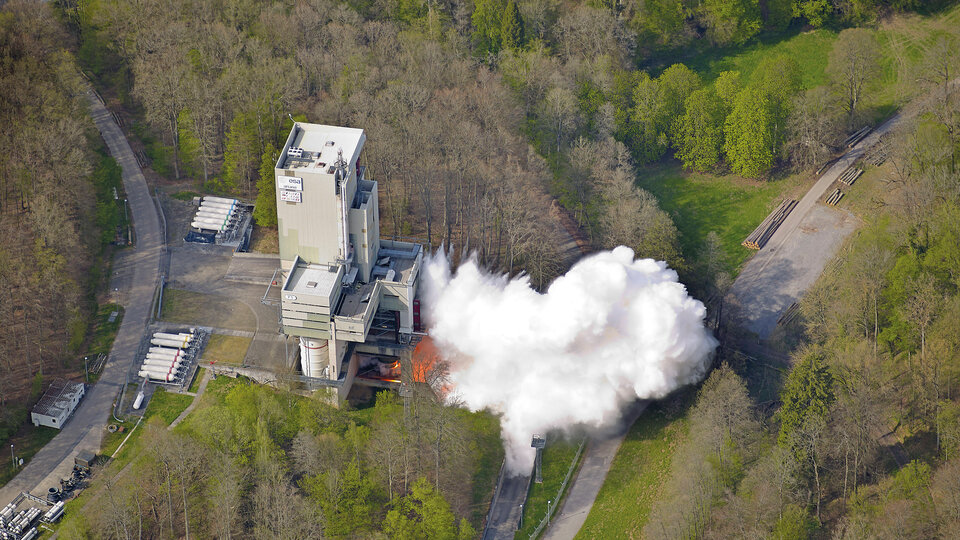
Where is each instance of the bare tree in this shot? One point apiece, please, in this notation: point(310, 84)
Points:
point(853, 63)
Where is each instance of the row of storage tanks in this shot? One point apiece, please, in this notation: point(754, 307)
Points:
point(215, 214)
point(19, 525)
point(167, 354)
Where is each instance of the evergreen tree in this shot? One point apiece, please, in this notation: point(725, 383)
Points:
point(265, 211)
point(488, 27)
point(511, 32)
point(240, 154)
point(807, 395)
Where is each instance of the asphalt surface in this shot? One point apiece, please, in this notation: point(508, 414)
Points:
point(85, 428)
point(796, 254)
point(590, 478)
point(505, 512)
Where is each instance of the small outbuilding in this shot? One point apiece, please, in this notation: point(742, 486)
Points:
point(57, 403)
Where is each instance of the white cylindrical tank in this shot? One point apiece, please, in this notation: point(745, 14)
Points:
point(164, 359)
point(215, 209)
point(314, 356)
point(211, 198)
point(207, 226)
point(151, 363)
point(210, 214)
point(136, 405)
point(159, 369)
point(165, 351)
point(212, 221)
point(166, 377)
point(177, 344)
point(225, 206)
point(162, 335)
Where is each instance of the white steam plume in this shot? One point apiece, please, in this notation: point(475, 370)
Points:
point(611, 330)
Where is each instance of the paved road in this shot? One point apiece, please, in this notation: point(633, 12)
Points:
point(796, 254)
point(505, 513)
point(85, 429)
point(593, 472)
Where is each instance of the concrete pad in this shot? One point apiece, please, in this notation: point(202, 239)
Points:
point(780, 273)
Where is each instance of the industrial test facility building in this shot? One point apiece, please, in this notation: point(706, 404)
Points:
point(349, 296)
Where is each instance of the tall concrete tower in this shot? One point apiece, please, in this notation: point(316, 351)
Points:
point(346, 292)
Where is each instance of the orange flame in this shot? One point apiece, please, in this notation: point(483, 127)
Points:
point(425, 357)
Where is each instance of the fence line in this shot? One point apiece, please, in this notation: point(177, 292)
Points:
point(563, 486)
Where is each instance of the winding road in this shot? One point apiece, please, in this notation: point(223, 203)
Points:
point(84, 430)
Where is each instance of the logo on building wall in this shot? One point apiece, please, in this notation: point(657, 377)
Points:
point(290, 183)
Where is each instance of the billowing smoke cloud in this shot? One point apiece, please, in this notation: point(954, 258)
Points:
point(611, 330)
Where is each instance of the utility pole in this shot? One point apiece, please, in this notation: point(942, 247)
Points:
point(86, 375)
point(12, 457)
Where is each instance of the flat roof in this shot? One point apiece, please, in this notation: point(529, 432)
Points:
point(58, 397)
point(402, 257)
point(314, 279)
point(320, 145)
point(355, 301)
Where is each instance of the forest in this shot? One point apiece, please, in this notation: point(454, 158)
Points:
point(493, 126)
point(57, 209)
point(255, 462)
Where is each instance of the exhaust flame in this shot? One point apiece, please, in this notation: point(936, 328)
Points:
point(611, 330)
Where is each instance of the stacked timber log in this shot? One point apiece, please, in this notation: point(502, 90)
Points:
point(850, 175)
point(857, 136)
point(789, 315)
point(834, 197)
point(761, 235)
point(878, 154)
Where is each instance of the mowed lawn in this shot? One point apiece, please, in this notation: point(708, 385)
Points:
point(728, 205)
point(810, 49)
point(224, 349)
point(639, 470)
point(188, 307)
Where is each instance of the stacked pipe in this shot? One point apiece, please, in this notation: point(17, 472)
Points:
point(54, 513)
point(214, 214)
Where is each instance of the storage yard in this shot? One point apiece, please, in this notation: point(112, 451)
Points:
point(221, 221)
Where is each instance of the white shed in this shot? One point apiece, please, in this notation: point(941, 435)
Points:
point(57, 403)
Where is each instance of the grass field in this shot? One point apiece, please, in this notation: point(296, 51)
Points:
point(728, 205)
point(809, 49)
point(224, 349)
point(166, 405)
point(639, 470)
point(105, 331)
point(189, 307)
point(27, 442)
point(557, 457)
